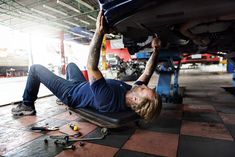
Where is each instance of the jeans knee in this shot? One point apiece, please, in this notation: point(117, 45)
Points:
point(34, 67)
point(71, 65)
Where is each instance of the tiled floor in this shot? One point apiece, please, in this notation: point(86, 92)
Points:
point(203, 126)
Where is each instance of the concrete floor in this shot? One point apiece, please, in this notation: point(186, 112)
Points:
point(203, 126)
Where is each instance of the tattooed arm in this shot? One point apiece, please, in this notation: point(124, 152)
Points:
point(152, 62)
point(94, 52)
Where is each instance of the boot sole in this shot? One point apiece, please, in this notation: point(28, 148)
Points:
point(24, 113)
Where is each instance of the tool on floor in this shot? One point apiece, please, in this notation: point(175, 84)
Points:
point(76, 135)
point(103, 131)
point(45, 141)
point(45, 128)
point(81, 143)
point(67, 138)
point(56, 142)
point(73, 127)
point(73, 147)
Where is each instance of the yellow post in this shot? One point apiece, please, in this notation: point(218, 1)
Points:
point(103, 54)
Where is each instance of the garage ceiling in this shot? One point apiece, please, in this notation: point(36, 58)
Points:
point(76, 18)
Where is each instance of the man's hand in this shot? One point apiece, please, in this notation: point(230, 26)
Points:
point(94, 52)
point(100, 23)
point(156, 43)
point(152, 62)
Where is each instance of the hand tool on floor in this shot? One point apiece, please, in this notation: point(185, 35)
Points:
point(73, 147)
point(45, 128)
point(103, 131)
point(67, 139)
point(73, 127)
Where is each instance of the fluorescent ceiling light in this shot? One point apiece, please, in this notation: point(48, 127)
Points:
point(43, 13)
point(84, 22)
point(85, 4)
point(59, 24)
point(85, 32)
point(32, 16)
point(91, 17)
point(71, 23)
point(68, 6)
point(77, 34)
point(75, 38)
point(54, 10)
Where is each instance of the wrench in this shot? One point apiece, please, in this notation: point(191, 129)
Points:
point(103, 131)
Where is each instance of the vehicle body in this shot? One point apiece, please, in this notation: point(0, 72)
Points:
point(182, 25)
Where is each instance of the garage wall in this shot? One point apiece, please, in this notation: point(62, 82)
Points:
point(122, 53)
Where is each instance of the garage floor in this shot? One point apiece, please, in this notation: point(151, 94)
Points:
point(203, 126)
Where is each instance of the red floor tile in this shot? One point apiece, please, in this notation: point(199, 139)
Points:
point(22, 122)
point(156, 143)
point(84, 128)
point(69, 116)
point(12, 138)
point(202, 129)
point(198, 108)
point(228, 118)
point(89, 150)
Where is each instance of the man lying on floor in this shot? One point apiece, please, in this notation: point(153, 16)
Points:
point(104, 95)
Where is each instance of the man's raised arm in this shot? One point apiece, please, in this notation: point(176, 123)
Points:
point(94, 52)
point(152, 62)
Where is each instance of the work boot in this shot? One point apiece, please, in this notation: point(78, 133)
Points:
point(22, 110)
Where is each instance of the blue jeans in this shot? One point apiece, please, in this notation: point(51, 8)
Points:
point(60, 87)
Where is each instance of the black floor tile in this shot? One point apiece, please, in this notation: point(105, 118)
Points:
point(231, 90)
point(128, 153)
point(163, 124)
point(231, 128)
point(190, 146)
point(171, 106)
point(115, 138)
point(229, 109)
point(201, 117)
point(36, 148)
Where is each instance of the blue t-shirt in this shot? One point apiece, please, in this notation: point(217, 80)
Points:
point(104, 95)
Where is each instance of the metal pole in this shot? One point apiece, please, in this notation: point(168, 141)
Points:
point(62, 53)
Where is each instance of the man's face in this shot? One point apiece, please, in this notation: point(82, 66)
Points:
point(144, 91)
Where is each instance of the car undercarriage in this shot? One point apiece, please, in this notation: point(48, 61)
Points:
point(185, 26)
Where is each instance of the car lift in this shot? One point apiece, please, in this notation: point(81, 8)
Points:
point(230, 65)
point(169, 64)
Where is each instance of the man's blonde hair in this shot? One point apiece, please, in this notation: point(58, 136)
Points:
point(148, 108)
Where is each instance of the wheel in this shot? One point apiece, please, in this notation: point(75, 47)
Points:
point(104, 131)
